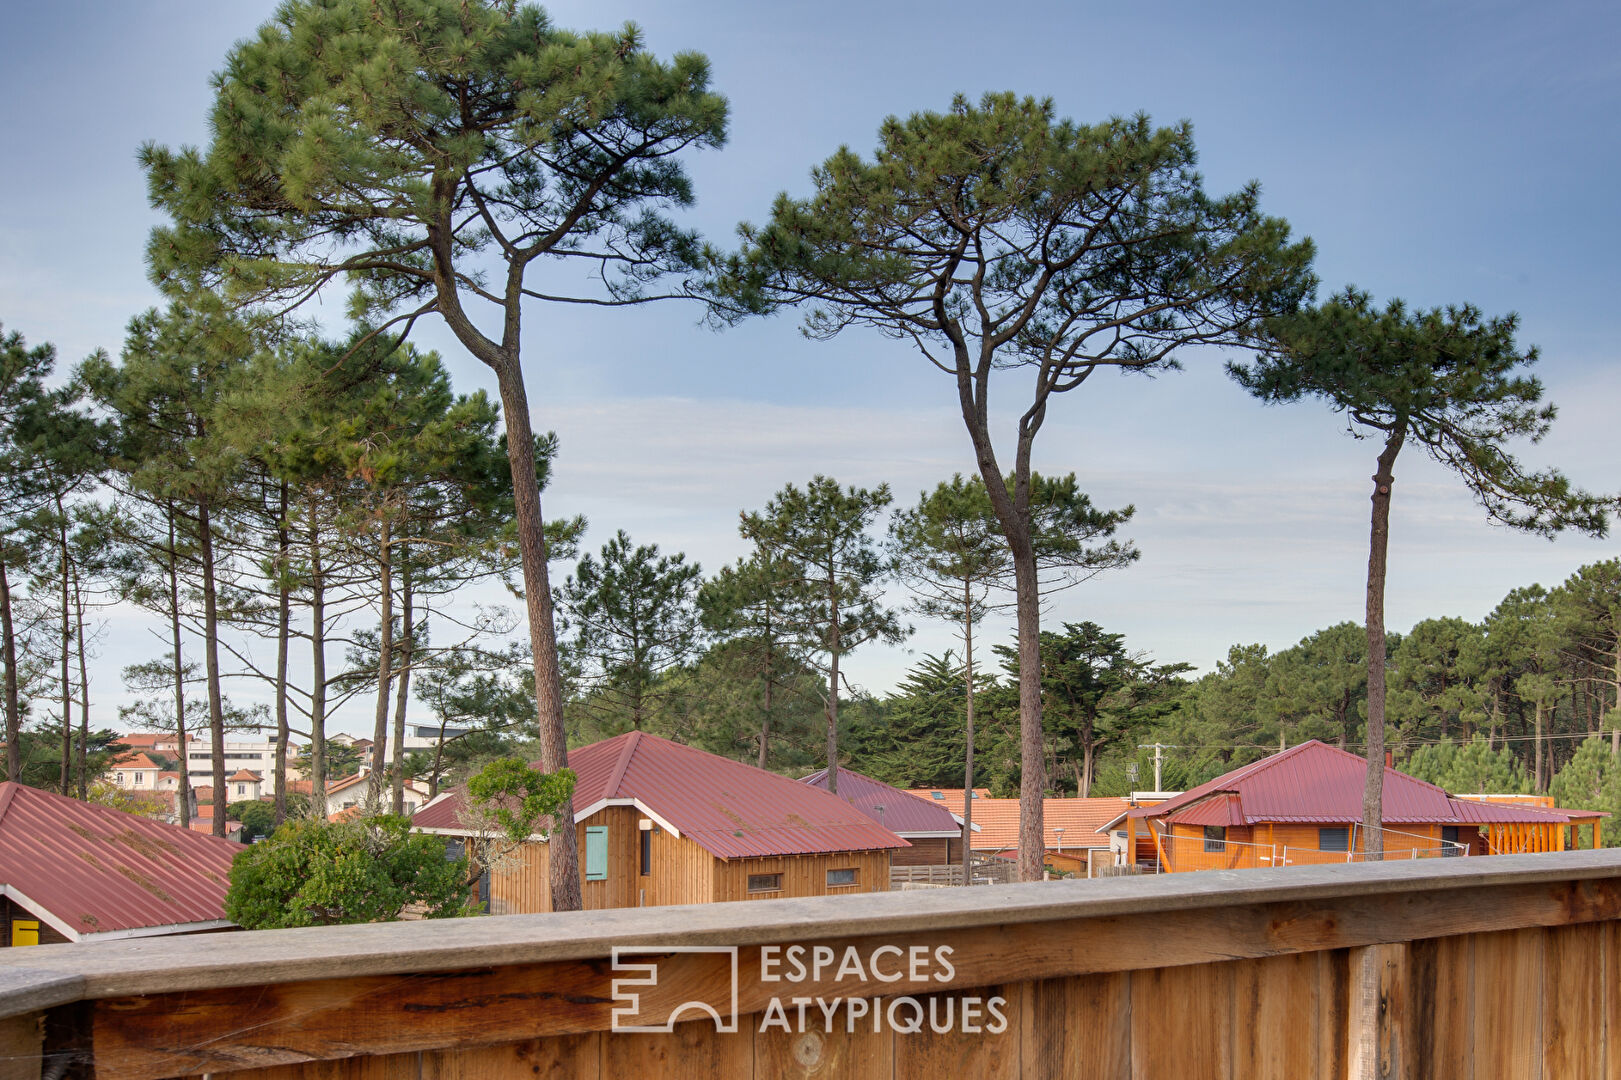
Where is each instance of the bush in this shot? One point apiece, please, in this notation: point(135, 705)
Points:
point(322, 873)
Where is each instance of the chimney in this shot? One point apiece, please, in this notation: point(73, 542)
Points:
point(1390, 759)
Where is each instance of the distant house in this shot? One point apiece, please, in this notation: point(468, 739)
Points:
point(350, 792)
point(662, 823)
point(75, 871)
point(934, 832)
point(1070, 826)
point(1304, 806)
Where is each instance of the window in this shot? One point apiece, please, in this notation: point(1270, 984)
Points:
point(241, 789)
point(763, 882)
point(1336, 839)
point(596, 853)
point(120, 778)
point(647, 852)
point(1215, 838)
point(455, 849)
point(140, 779)
point(841, 877)
point(1449, 836)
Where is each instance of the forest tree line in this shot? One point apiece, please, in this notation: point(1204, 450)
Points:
point(436, 159)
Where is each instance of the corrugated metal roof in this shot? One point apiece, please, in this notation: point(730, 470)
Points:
point(1217, 810)
point(99, 870)
point(730, 809)
point(898, 811)
point(1475, 812)
point(1315, 782)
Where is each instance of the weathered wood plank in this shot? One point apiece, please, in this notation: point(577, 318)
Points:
point(1077, 1028)
point(1573, 1002)
point(844, 1048)
point(693, 1051)
point(385, 1067)
point(163, 1035)
point(121, 968)
point(1610, 972)
point(1441, 1008)
point(1378, 1025)
point(1508, 991)
point(21, 1038)
point(960, 1050)
point(561, 1057)
point(1182, 1023)
point(1276, 1017)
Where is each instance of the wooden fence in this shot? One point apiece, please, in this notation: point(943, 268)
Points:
point(1483, 969)
point(985, 872)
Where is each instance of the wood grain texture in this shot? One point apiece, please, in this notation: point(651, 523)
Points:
point(1508, 985)
point(693, 1051)
point(386, 1067)
point(1573, 1002)
point(1077, 1028)
point(1182, 1023)
point(1277, 1015)
point(21, 1038)
point(1610, 966)
point(1379, 1036)
point(843, 1050)
point(930, 1054)
point(561, 1057)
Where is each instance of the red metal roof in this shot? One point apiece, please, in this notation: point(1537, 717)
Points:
point(1316, 783)
point(894, 809)
point(730, 809)
point(91, 870)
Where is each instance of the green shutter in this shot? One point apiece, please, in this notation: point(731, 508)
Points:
point(596, 852)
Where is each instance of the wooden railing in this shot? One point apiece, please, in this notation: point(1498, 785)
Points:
point(1485, 968)
point(985, 872)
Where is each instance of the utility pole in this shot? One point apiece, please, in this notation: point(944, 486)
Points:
point(1158, 759)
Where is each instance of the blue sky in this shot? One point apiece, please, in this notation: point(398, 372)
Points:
point(1437, 151)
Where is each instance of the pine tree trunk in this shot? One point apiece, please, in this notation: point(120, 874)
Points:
point(563, 861)
point(1539, 779)
point(67, 652)
point(1088, 751)
point(80, 764)
point(284, 617)
point(1378, 552)
point(211, 663)
point(402, 690)
point(834, 647)
point(385, 661)
point(13, 703)
point(184, 794)
point(968, 728)
point(317, 668)
point(765, 719)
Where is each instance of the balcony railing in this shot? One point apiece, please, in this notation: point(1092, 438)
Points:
point(1494, 968)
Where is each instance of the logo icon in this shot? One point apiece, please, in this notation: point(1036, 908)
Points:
point(629, 1001)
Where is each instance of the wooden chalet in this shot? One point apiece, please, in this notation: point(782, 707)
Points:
point(934, 832)
point(1304, 806)
point(73, 871)
point(662, 823)
point(1070, 827)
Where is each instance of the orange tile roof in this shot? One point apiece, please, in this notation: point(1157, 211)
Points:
point(998, 821)
point(245, 775)
point(134, 760)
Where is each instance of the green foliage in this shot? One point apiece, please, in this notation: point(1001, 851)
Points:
point(1474, 768)
point(258, 816)
point(515, 801)
point(341, 760)
point(633, 617)
point(1591, 780)
point(314, 872)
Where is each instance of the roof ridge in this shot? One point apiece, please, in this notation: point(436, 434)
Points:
point(617, 777)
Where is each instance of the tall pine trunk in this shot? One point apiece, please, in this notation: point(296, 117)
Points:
point(968, 754)
point(284, 617)
point(67, 652)
point(317, 666)
point(211, 663)
point(563, 860)
point(765, 718)
point(13, 703)
point(183, 796)
point(402, 689)
point(1378, 552)
point(385, 672)
point(80, 764)
point(835, 645)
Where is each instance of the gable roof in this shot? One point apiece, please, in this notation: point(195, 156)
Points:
point(94, 872)
point(898, 811)
point(134, 760)
point(1315, 783)
point(729, 809)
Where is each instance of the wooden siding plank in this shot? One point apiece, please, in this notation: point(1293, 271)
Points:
point(1182, 1023)
point(846, 1050)
point(693, 1051)
point(561, 1057)
point(1609, 972)
point(385, 1067)
point(929, 1054)
point(1508, 990)
point(20, 1040)
point(1276, 1003)
point(1378, 1024)
point(1572, 1002)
